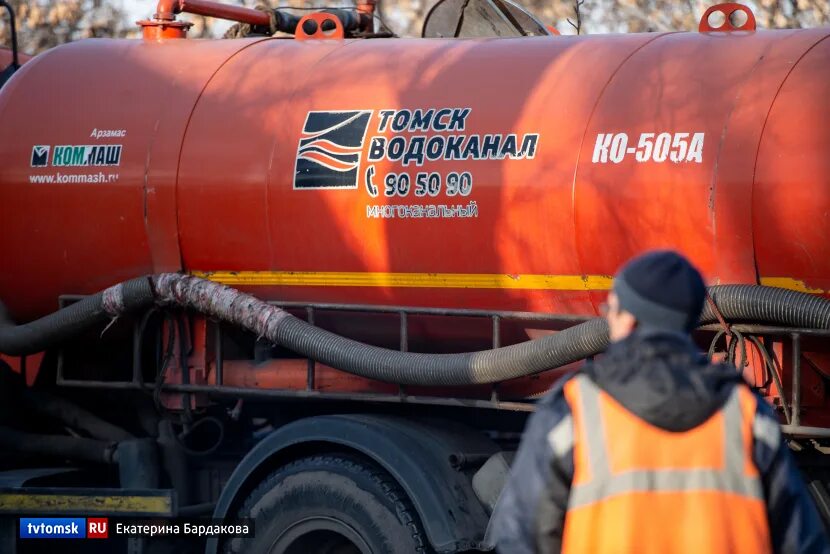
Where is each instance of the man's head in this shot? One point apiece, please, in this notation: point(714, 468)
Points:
point(656, 290)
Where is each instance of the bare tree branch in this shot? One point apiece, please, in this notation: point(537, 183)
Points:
point(43, 24)
point(577, 11)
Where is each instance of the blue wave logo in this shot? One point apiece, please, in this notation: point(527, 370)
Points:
point(328, 155)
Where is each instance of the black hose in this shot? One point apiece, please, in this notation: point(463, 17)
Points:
point(57, 327)
point(220, 436)
point(73, 448)
point(72, 415)
point(284, 22)
point(348, 18)
point(768, 305)
point(409, 368)
point(406, 368)
point(735, 302)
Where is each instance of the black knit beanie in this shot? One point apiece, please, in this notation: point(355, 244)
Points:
point(662, 290)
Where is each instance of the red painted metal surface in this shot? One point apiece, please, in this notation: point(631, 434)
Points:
point(27, 366)
point(730, 14)
point(89, 235)
point(212, 131)
point(209, 133)
point(160, 30)
point(791, 193)
point(316, 21)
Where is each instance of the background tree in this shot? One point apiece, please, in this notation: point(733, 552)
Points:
point(43, 24)
point(629, 16)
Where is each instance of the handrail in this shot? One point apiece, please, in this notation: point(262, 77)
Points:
point(166, 10)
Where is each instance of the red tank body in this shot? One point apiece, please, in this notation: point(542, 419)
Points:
point(254, 160)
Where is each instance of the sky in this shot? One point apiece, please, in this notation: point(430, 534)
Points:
point(140, 9)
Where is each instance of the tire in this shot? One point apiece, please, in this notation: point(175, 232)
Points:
point(330, 504)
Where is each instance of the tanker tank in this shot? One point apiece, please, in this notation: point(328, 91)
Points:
point(506, 174)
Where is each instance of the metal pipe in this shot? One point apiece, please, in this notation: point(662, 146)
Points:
point(460, 312)
point(137, 348)
point(753, 329)
point(404, 333)
point(219, 354)
point(138, 466)
point(73, 448)
point(311, 367)
point(244, 392)
point(224, 11)
point(174, 460)
point(166, 10)
point(803, 432)
point(494, 393)
point(796, 338)
point(463, 460)
point(794, 431)
point(775, 377)
point(72, 415)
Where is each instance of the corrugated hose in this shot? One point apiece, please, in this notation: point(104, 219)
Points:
point(757, 304)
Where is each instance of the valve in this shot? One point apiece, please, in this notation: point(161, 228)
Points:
point(319, 25)
point(726, 17)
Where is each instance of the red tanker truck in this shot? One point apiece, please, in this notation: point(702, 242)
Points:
point(316, 280)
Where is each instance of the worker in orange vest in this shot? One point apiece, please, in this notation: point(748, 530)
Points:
point(652, 448)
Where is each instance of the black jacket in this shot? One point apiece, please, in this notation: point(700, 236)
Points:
point(665, 380)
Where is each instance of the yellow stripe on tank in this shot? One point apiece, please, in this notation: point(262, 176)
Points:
point(408, 280)
point(788, 283)
point(441, 280)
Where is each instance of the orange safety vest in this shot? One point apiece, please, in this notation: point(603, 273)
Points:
point(641, 489)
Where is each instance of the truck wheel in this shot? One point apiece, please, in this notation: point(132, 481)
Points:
point(331, 504)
